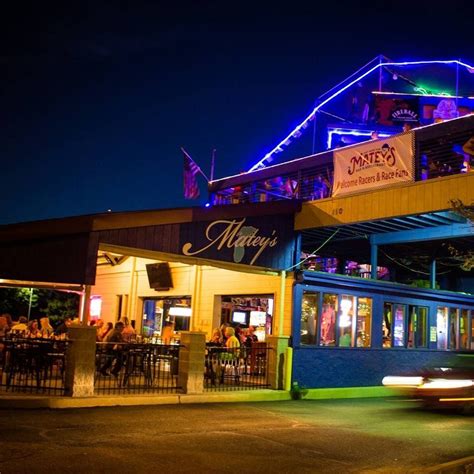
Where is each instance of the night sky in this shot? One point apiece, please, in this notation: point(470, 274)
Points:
point(96, 99)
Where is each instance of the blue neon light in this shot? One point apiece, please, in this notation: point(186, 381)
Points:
point(304, 124)
point(356, 133)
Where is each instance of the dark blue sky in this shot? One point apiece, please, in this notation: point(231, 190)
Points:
point(96, 99)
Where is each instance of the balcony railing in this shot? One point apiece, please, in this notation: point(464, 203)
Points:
point(438, 153)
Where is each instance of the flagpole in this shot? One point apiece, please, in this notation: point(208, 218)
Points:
point(198, 167)
point(212, 163)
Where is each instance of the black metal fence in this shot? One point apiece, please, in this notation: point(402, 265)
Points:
point(136, 368)
point(33, 365)
point(242, 368)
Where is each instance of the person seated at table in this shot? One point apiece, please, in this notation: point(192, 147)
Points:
point(33, 329)
point(21, 326)
point(250, 337)
point(128, 332)
point(216, 337)
point(46, 328)
point(231, 341)
point(167, 332)
point(106, 330)
point(114, 353)
point(63, 328)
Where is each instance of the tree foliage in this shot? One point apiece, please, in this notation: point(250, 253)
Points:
point(465, 258)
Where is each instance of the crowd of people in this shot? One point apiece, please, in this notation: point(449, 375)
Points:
point(232, 337)
point(33, 328)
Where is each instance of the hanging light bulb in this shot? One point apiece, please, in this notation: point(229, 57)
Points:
point(395, 76)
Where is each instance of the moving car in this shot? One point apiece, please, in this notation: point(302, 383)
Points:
point(451, 385)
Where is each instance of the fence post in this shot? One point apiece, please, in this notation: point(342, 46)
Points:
point(277, 346)
point(80, 364)
point(191, 361)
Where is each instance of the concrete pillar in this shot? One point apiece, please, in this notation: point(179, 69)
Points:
point(276, 361)
point(191, 362)
point(433, 275)
point(80, 362)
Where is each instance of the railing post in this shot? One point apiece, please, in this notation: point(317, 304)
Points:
point(80, 362)
point(191, 362)
point(277, 346)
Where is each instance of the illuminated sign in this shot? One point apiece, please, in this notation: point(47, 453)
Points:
point(266, 241)
point(373, 164)
point(233, 234)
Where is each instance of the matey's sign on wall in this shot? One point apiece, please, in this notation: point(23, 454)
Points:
point(266, 241)
point(373, 165)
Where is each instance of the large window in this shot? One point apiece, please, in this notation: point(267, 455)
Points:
point(417, 326)
point(393, 325)
point(442, 327)
point(364, 322)
point(172, 313)
point(327, 336)
point(464, 329)
point(346, 321)
point(453, 340)
point(309, 317)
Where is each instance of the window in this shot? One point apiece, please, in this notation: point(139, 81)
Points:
point(453, 328)
point(364, 322)
point(345, 321)
point(328, 320)
point(387, 325)
point(417, 326)
point(309, 317)
point(442, 327)
point(393, 325)
point(464, 329)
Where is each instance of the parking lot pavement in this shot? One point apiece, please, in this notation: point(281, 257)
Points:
point(333, 436)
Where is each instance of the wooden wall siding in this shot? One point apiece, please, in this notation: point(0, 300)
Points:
point(414, 198)
point(113, 281)
point(69, 259)
point(162, 238)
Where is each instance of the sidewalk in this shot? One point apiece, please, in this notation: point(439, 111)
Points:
point(35, 401)
point(20, 400)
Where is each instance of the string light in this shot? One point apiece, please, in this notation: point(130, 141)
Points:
point(304, 124)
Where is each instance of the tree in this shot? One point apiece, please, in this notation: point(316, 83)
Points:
point(464, 257)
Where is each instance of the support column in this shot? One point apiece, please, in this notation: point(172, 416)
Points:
point(80, 361)
point(191, 362)
point(84, 305)
point(433, 274)
point(195, 297)
point(281, 312)
point(373, 261)
point(277, 369)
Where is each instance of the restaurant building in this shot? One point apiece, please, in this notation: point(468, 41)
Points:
point(357, 254)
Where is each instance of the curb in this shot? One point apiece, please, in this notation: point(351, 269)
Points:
point(34, 402)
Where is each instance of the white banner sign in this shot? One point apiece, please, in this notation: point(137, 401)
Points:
point(373, 165)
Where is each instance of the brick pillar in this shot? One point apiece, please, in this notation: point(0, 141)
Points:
point(276, 361)
point(80, 365)
point(191, 362)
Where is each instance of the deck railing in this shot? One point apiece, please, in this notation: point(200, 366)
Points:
point(242, 368)
point(36, 366)
point(438, 152)
point(136, 368)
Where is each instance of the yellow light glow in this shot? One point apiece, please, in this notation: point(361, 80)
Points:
point(447, 384)
point(397, 381)
point(456, 399)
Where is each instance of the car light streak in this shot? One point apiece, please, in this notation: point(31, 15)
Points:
point(397, 381)
point(446, 384)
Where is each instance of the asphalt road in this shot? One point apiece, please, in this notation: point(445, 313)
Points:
point(331, 436)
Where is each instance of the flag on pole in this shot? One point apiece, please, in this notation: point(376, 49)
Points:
point(191, 169)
